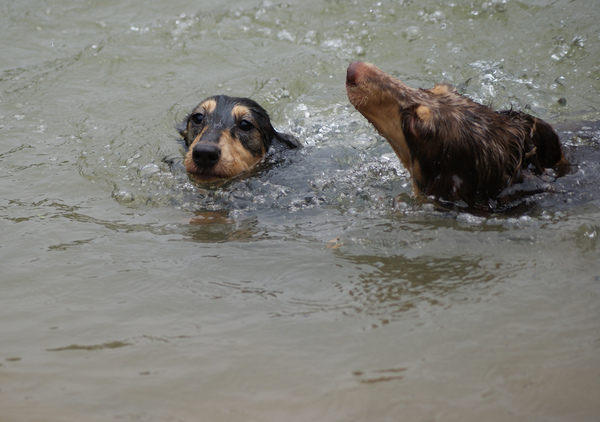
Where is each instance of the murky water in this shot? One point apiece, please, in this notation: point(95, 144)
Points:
point(307, 291)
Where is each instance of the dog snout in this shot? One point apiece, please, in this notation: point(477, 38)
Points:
point(206, 155)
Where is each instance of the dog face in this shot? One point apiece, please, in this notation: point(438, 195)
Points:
point(454, 148)
point(225, 136)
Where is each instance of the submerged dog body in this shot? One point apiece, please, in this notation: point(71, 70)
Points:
point(227, 136)
point(454, 148)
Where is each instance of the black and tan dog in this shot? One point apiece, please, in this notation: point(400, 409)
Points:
point(454, 148)
point(227, 136)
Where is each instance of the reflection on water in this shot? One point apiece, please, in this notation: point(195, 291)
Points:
point(221, 226)
point(399, 284)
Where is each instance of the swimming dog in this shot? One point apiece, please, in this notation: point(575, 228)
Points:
point(454, 149)
point(227, 136)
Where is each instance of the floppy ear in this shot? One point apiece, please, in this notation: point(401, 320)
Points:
point(182, 127)
point(287, 140)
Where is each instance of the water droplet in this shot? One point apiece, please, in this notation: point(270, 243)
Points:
point(413, 33)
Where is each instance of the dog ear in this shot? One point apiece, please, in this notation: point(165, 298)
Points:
point(287, 140)
point(182, 127)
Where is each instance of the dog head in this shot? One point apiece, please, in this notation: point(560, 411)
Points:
point(227, 136)
point(382, 98)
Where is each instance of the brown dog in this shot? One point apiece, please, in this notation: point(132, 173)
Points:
point(227, 136)
point(454, 148)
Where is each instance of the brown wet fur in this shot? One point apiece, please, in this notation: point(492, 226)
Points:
point(454, 148)
point(227, 136)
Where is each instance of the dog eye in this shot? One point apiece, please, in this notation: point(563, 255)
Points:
point(197, 118)
point(245, 125)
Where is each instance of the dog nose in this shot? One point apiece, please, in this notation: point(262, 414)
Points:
point(206, 155)
point(352, 74)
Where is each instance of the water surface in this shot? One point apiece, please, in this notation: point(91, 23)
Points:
point(318, 288)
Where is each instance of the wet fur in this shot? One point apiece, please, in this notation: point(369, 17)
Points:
point(227, 136)
point(454, 148)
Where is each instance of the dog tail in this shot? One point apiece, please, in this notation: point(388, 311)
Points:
point(541, 145)
point(549, 152)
